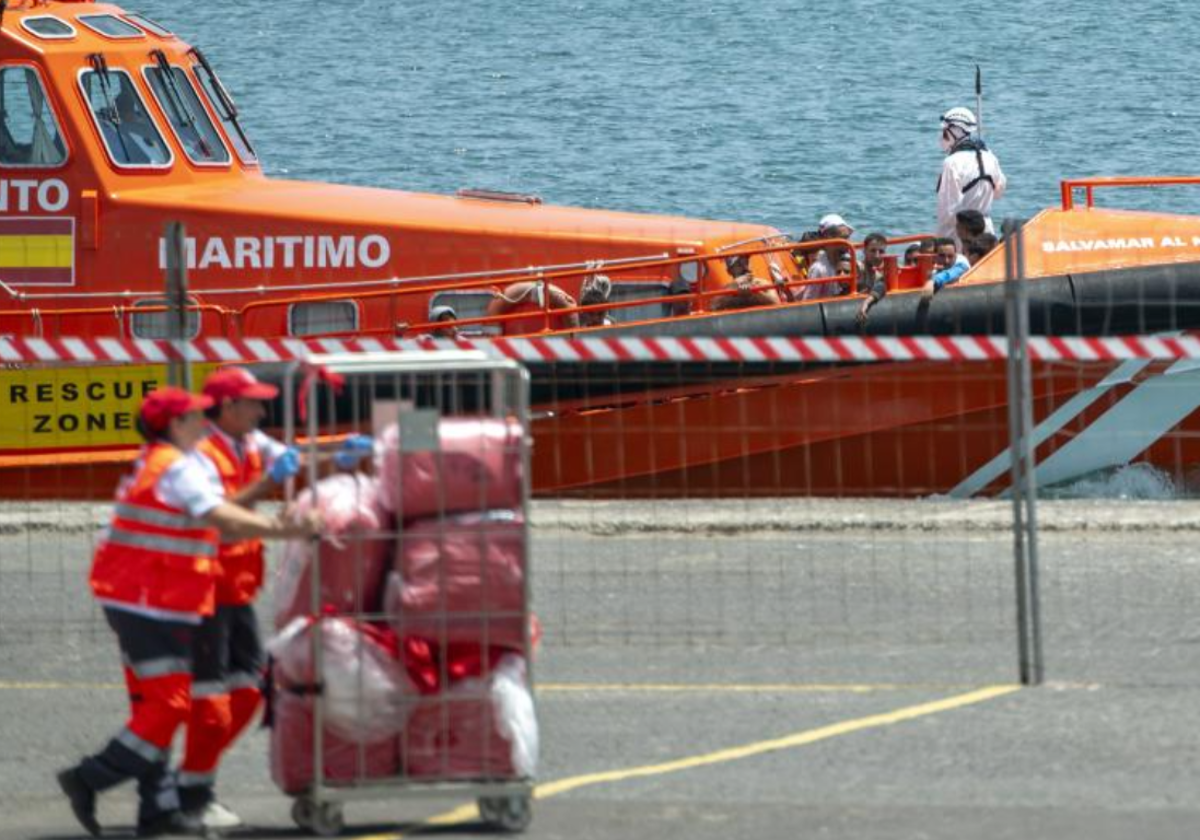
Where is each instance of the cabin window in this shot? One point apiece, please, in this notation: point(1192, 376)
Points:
point(48, 27)
point(323, 317)
point(187, 117)
point(129, 134)
point(111, 26)
point(29, 134)
point(691, 272)
point(157, 324)
point(466, 305)
point(149, 25)
point(226, 111)
point(625, 292)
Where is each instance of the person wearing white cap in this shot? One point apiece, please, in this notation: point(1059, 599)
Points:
point(829, 262)
point(971, 177)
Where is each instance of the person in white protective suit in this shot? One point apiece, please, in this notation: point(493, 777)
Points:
point(971, 177)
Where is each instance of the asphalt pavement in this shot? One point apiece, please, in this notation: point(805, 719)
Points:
point(766, 669)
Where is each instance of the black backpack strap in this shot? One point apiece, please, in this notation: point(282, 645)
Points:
point(982, 176)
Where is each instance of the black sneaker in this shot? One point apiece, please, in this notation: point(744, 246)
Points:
point(83, 800)
point(171, 824)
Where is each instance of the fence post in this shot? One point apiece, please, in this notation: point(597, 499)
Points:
point(1024, 478)
point(179, 369)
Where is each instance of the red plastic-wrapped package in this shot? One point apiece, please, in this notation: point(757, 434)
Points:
point(460, 579)
point(345, 761)
point(477, 467)
point(477, 729)
point(356, 547)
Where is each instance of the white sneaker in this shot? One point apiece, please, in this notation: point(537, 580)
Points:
point(216, 817)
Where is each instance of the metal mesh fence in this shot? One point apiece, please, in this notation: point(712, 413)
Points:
point(828, 523)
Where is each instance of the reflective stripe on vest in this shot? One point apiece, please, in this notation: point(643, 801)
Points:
point(159, 543)
point(160, 518)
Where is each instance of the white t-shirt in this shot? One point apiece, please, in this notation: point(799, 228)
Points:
point(189, 484)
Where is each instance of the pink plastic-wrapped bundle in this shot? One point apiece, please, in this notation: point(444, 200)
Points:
point(356, 548)
point(478, 729)
point(346, 762)
point(477, 467)
point(461, 579)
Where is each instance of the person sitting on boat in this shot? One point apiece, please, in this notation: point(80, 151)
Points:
point(444, 315)
point(968, 224)
point(595, 290)
point(751, 291)
point(830, 261)
point(871, 281)
point(910, 254)
point(529, 296)
point(971, 177)
point(950, 266)
point(683, 290)
point(981, 246)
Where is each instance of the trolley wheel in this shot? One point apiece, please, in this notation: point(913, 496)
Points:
point(327, 819)
point(303, 812)
point(507, 813)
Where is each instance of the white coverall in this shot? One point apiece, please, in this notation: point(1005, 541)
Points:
point(958, 170)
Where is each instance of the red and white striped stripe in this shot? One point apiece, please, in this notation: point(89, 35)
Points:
point(625, 349)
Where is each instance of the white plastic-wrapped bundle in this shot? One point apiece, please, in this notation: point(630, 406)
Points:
point(356, 548)
point(477, 467)
point(366, 688)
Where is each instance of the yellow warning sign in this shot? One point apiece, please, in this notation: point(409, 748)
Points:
point(76, 406)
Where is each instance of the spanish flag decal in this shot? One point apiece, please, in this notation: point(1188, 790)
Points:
point(37, 252)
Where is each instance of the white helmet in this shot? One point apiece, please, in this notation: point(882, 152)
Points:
point(957, 125)
point(961, 117)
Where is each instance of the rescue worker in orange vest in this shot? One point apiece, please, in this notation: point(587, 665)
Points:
point(247, 466)
point(153, 574)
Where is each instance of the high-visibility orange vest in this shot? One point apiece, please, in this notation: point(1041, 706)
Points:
point(155, 556)
point(240, 563)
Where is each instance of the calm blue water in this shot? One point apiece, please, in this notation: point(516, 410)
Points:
point(766, 110)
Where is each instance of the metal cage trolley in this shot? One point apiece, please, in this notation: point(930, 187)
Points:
point(402, 648)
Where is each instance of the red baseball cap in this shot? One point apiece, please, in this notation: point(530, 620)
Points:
point(237, 383)
point(162, 405)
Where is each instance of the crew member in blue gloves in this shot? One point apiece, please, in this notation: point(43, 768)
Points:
point(228, 656)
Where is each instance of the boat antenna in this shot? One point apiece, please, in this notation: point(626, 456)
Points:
point(979, 99)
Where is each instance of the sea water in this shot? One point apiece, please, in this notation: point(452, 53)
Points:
point(772, 111)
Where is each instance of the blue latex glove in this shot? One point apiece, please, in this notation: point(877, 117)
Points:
point(285, 466)
point(354, 449)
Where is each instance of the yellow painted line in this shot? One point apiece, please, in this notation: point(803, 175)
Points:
point(56, 686)
point(735, 688)
point(611, 688)
point(468, 813)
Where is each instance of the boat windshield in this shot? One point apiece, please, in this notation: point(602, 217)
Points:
point(128, 132)
point(29, 134)
point(223, 107)
point(187, 116)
